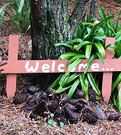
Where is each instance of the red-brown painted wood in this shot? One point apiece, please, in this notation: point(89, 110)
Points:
point(12, 56)
point(53, 66)
point(107, 77)
point(11, 85)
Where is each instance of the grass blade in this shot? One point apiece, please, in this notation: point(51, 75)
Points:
point(89, 63)
point(54, 84)
point(2, 8)
point(62, 89)
point(20, 6)
point(63, 80)
point(92, 82)
point(73, 88)
point(84, 84)
point(100, 57)
point(1, 19)
point(75, 57)
point(78, 40)
point(101, 49)
point(101, 13)
point(83, 43)
point(116, 82)
point(64, 44)
point(71, 78)
point(72, 66)
point(67, 55)
point(88, 51)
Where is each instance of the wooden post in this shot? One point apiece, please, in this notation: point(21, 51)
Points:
point(12, 56)
point(107, 77)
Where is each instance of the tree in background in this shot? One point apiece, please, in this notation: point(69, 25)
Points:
point(50, 23)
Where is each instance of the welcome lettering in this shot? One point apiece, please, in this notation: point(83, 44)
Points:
point(57, 67)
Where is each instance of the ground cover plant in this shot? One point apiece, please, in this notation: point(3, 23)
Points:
point(2, 13)
point(21, 18)
point(89, 43)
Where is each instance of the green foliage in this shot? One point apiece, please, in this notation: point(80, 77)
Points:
point(51, 122)
point(88, 43)
point(119, 1)
point(2, 13)
point(21, 18)
point(73, 1)
point(61, 124)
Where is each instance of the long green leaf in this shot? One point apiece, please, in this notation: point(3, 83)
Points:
point(20, 6)
point(53, 85)
point(88, 51)
point(73, 88)
point(71, 78)
point(110, 21)
point(110, 47)
point(72, 66)
point(101, 49)
point(101, 13)
point(84, 84)
point(89, 62)
point(77, 33)
point(82, 80)
point(87, 23)
point(100, 57)
point(92, 82)
point(116, 82)
point(14, 23)
point(78, 40)
point(119, 101)
point(67, 55)
point(111, 29)
point(83, 43)
point(99, 38)
point(60, 89)
point(76, 57)
point(63, 80)
point(117, 23)
point(64, 44)
point(2, 8)
point(1, 19)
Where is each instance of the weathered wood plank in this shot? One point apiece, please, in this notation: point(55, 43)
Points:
point(107, 77)
point(12, 56)
point(56, 66)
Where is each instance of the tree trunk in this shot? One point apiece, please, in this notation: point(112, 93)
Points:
point(93, 9)
point(50, 24)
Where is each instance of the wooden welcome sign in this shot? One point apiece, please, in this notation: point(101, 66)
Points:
point(15, 66)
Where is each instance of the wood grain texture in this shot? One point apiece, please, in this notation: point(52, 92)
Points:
point(107, 77)
point(12, 56)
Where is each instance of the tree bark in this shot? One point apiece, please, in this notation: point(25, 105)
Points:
point(50, 24)
point(78, 15)
point(93, 9)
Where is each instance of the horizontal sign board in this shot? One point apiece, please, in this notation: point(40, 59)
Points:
point(59, 66)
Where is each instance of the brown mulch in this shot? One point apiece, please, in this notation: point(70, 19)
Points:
point(14, 121)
